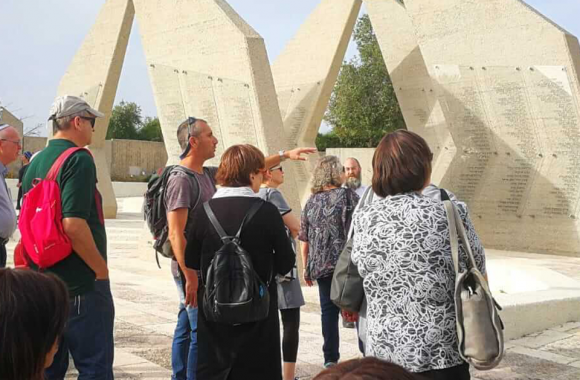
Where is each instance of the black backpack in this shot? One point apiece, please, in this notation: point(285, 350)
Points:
point(155, 212)
point(234, 293)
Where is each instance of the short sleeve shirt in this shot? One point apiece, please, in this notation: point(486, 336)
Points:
point(77, 181)
point(182, 192)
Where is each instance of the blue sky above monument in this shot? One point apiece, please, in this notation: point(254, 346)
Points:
point(39, 45)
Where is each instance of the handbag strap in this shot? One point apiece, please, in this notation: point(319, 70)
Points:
point(366, 198)
point(457, 233)
point(219, 229)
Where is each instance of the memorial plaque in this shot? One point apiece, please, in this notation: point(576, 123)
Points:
point(200, 101)
point(171, 110)
point(235, 112)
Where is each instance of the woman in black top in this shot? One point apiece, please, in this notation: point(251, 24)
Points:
point(251, 350)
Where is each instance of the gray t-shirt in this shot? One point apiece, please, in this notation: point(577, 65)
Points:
point(182, 192)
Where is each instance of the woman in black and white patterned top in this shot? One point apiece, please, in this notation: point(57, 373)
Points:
point(403, 252)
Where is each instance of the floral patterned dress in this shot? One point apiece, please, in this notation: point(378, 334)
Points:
point(324, 224)
point(402, 250)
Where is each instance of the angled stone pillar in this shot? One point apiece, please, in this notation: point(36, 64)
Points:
point(205, 61)
point(94, 75)
point(411, 80)
point(508, 82)
point(305, 74)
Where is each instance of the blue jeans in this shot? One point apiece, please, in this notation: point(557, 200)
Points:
point(88, 336)
point(330, 313)
point(184, 348)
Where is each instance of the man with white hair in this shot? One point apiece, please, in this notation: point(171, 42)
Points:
point(353, 173)
point(10, 145)
point(88, 336)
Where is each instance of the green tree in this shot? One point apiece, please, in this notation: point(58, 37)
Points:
point(125, 121)
point(327, 140)
point(363, 106)
point(151, 130)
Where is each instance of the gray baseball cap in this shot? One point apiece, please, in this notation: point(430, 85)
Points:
point(68, 105)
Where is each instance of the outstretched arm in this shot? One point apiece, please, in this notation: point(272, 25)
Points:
point(296, 154)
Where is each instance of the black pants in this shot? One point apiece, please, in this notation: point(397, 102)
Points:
point(291, 324)
point(460, 372)
point(3, 255)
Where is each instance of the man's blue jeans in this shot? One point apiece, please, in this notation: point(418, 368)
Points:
point(184, 348)
point(329, 321)
point(88, 336)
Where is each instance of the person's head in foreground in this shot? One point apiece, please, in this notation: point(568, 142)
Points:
point(328, 173)
point(33, 313)
point(241, 166)
point(401, 164)
point(365, 369)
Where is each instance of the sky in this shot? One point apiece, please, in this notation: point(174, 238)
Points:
point(38, 40)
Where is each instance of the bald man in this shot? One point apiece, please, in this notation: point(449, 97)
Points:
point(10, 145)
point(353, 173)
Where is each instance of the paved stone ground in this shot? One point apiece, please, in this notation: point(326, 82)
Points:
point(146, 306)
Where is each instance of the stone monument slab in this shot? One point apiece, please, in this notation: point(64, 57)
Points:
point(506, 80)
point(94, 75)
point(215, 67)
point(305, 74)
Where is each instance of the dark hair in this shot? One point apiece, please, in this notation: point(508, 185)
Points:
point(238, 163)
point(190, 127)
point(365, 369)
point(401, 163)
point(33, 313)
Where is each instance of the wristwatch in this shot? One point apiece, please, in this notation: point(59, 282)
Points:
point(282, 156)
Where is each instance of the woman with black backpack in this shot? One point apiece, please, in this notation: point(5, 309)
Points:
point(239, 244)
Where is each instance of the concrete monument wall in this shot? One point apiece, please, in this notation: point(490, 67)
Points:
point(94, 75)
point(132, 160)
point(305, 74)
point(205, 61)
point(6, 117)
point(507, 81)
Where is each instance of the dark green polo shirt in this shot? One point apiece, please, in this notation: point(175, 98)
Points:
point(77, 181)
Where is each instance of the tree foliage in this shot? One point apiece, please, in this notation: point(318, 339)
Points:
point(127, 123)
point(363, 106)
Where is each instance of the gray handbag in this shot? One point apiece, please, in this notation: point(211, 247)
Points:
point(347, 290)
point(479, 327)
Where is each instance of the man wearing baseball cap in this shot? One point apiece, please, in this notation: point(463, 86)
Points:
point(89, 331)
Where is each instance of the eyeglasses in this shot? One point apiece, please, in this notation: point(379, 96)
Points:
point(17, 142)
point(91, 119)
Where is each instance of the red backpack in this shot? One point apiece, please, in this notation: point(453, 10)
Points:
point(43, 238)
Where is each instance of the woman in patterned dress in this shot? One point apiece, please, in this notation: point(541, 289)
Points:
point(402, 250)
point(324, 227)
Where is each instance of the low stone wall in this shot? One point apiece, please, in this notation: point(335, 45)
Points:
point(128, 160)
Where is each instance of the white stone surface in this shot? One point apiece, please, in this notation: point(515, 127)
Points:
point(506, 81)
point(305, 74)
point(94, 75)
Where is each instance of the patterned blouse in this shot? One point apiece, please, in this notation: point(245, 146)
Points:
point(324, 224)
point(402, 250)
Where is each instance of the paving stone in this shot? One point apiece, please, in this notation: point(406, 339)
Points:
point(539, 340)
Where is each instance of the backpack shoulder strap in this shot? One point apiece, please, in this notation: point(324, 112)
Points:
point(214, 221)
point(249, 215)
point(181, 169)
point(55, 168)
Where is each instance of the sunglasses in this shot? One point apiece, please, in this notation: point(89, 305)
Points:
point(190, 121)
point(91, 119)
point(278, 168)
